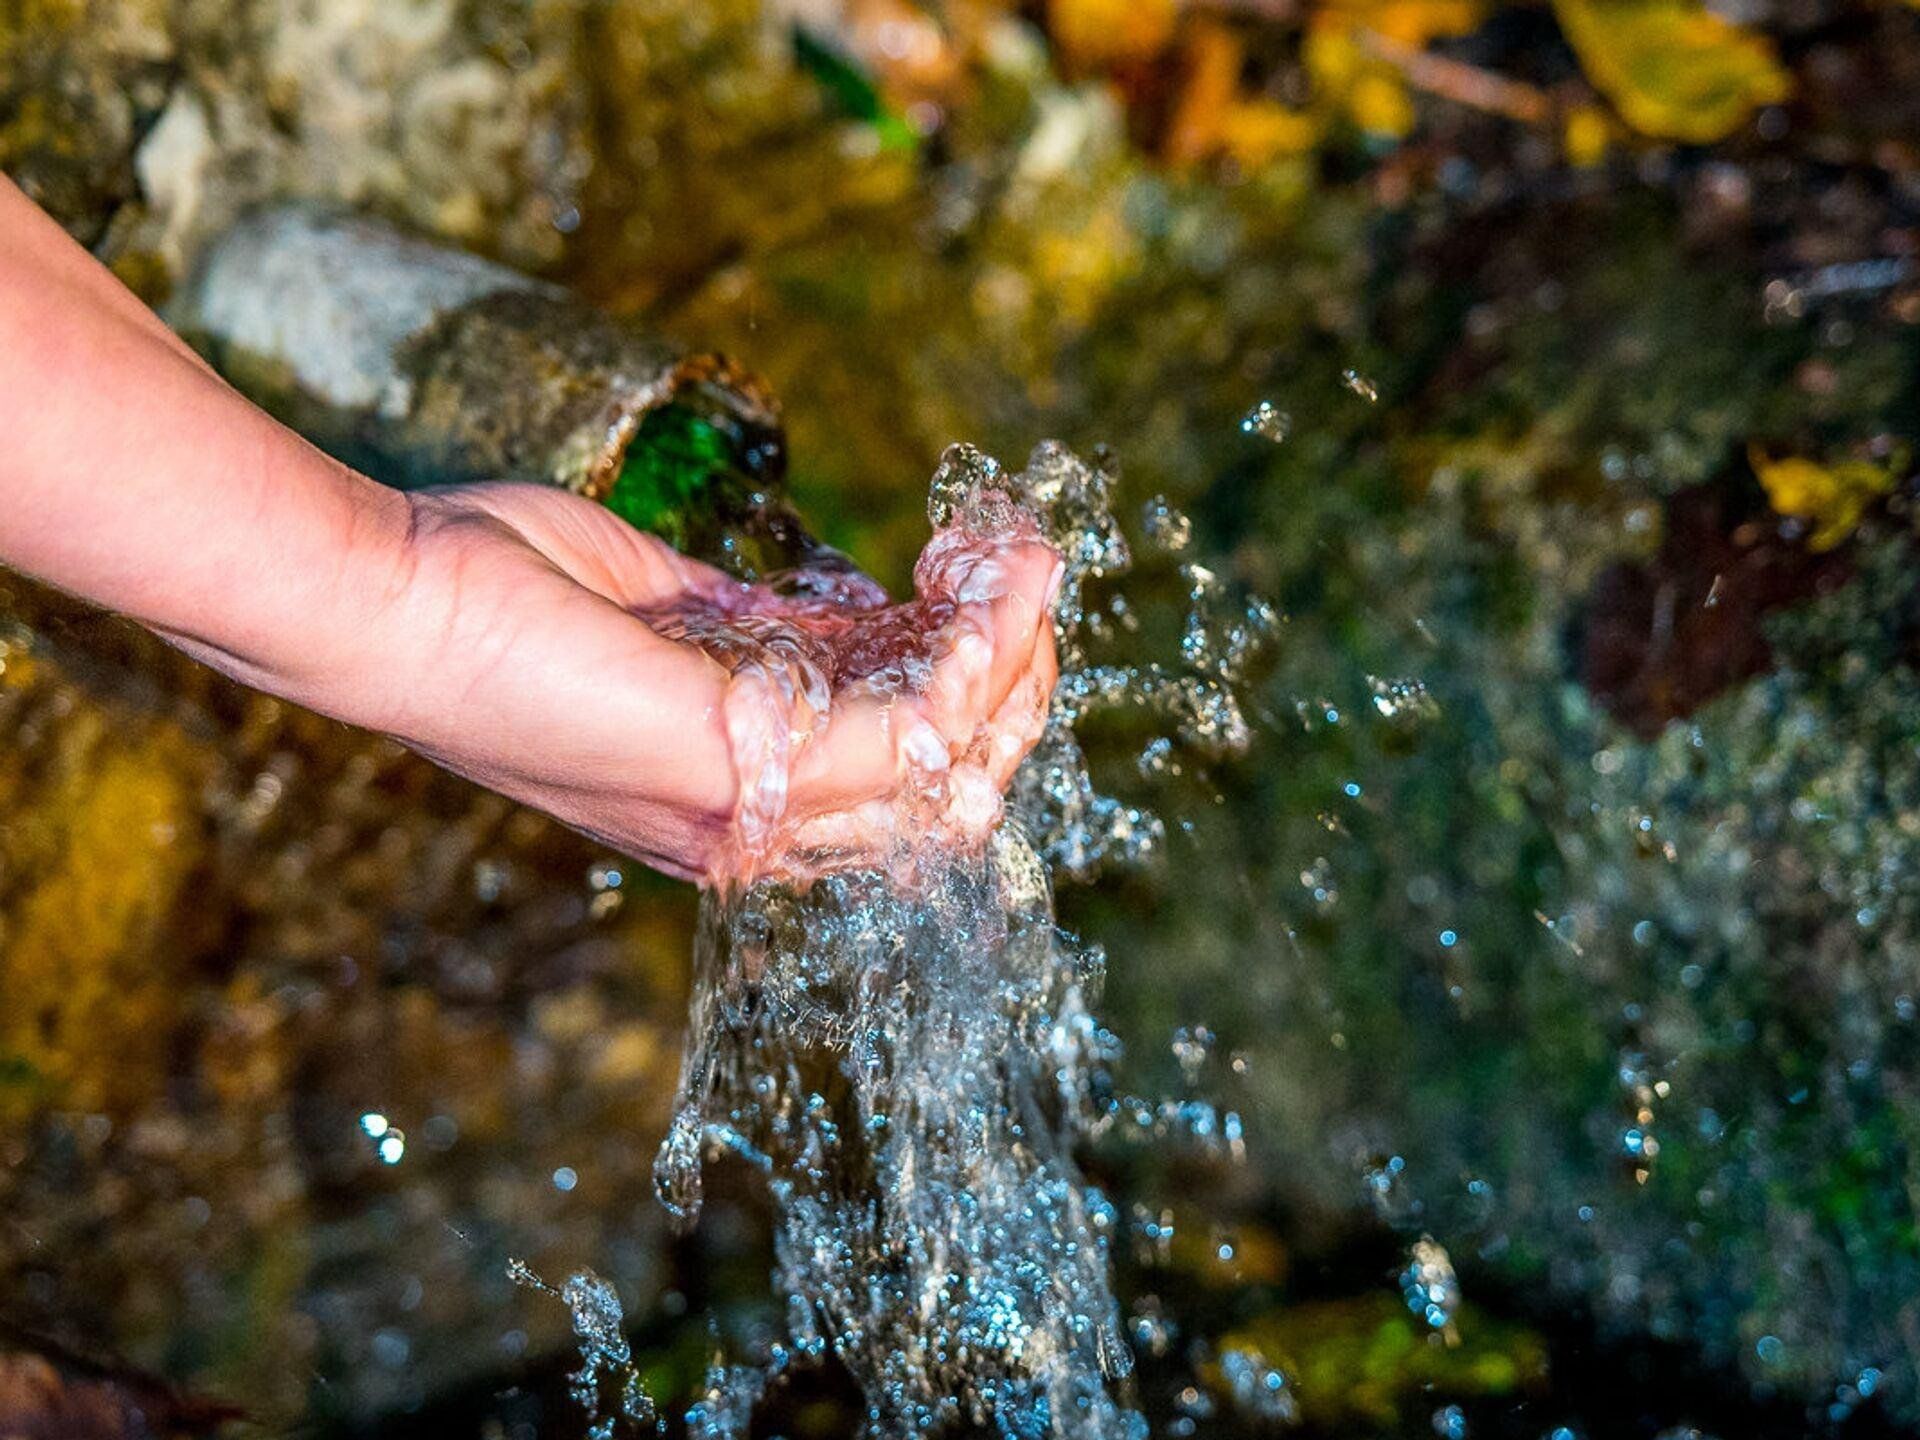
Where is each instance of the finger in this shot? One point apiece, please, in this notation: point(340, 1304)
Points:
point(995, 638)
point(593, 546)
point(870, 743)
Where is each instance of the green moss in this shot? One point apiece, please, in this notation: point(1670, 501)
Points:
point(1369, 1360)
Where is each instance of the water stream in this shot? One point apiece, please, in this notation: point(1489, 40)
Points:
point(908, 1052)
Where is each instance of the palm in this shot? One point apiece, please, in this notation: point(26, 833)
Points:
point(590, 696)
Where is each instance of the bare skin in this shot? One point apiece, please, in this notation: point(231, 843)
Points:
point(492, 628)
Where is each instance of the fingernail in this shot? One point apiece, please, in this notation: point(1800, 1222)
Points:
point(924, 750)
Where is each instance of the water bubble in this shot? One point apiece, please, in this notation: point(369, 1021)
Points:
point(1157, 757)
point(1317, 880)
point(1191, 1047)
point(1151, 1331)
point(962, 471)
point(676, 1170)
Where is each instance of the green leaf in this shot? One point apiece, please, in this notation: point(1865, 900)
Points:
point(851, 89)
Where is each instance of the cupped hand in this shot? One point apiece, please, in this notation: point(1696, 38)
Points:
point(717, 731)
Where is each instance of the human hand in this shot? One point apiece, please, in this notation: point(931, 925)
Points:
point(544, 648)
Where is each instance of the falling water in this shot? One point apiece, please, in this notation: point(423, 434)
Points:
point(607, 1386)
point(908, 1052)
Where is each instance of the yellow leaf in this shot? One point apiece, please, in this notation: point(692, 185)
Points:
point(1585, 136)
point(1256, 132)
point(1379, 104)
point(1832, 498)
point(1211, 119)
point(1102, 34)
point(1413, 23)
point(1370, 91)
point(1673, 68)
point(1333, 58)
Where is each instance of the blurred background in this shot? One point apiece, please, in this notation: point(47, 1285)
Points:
point(1558, 940)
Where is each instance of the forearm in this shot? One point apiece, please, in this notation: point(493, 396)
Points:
point(133, 477)
point(489, 629)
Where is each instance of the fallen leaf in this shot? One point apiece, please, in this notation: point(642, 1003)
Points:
point(1831, 498)
point(1106, 34)
point(1673, 68)
point(1585, 135)
point(1212, 119)
point(1341, 40)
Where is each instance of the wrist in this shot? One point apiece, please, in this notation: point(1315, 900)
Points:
point(306, 613)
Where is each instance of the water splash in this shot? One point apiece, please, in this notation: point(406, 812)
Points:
point(907, 1052)
point(1165, 525)
point(606, 1359)
point(1268, 421)
point(1259, 1391)
point(1431, 1288)
point(1402, 699)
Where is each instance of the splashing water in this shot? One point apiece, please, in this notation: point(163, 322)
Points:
point(1431, 1288)
point(1258, 1390)
point(606, 1358)
point(906, 1051)
point(1268, 421)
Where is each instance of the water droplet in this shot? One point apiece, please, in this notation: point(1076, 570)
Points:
point(1429, 1285)
point(607, 1387)
point(1259, 1390)
point(1402, 699)
point(1166, 527)
point(1267, 421)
